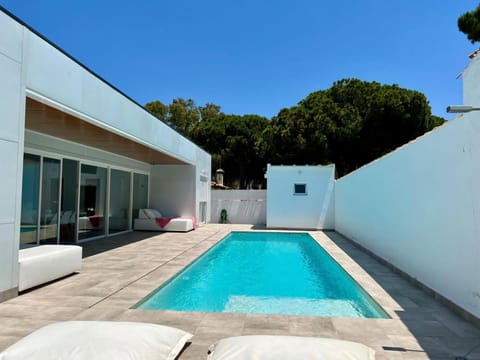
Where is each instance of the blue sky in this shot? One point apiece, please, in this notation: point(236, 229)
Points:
point(259, 56)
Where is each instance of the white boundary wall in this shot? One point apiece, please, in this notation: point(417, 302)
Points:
point(471, 83)
point(243, 206)
point(311, 211)
point(419, 209)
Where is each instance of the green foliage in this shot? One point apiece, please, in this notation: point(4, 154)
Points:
point(159, 109)
point(182, 115)
point(350, 124)
point(469, 24)
point(209, 111)
point(436, 121)
point(232, 140)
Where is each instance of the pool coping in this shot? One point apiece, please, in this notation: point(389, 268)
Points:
point(338, 256)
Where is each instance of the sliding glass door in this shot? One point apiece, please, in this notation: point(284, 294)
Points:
point(30, 200)
point(68, 214)
point(92, 200)
point(64, 201)
point(49, 201)
point(119, 201)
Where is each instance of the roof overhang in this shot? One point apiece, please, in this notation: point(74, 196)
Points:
point(45, 119)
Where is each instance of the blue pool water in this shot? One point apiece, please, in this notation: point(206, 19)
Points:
point(267, 273)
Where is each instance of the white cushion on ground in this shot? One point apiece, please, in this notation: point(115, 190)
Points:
point(99, 340)
point(272, 347)
point(44, 263)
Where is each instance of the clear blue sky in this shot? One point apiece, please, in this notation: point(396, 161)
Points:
point(258, 56)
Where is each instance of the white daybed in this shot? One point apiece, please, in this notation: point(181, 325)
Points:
point(152, 220)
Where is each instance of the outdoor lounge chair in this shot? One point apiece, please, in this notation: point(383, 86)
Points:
point(271, 347)
point(152, 220)
point(99, 340)
point(41, 264)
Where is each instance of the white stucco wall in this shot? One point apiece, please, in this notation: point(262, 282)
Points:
point(418, 208)
point(243, 206)
point(172, 190)
point(202, 182)
point(312, 211)
point(12, 113)
point(471, 83)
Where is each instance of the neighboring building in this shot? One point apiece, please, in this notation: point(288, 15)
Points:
point(300, 197)
point(79, 157)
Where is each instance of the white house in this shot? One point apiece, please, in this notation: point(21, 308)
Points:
point(300, 197)
point(78, 157)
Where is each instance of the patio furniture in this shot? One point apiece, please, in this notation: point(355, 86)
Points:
point(99, 340)
point(272, 347)
point(40, 264)
point(152, 220)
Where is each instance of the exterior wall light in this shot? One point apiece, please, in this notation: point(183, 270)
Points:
point(461, 108)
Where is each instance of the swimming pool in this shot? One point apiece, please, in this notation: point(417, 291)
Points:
point(266, 273)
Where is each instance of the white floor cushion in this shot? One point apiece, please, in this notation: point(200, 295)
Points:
point(99, 340)
point(266, 347)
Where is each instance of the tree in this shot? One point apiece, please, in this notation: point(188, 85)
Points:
point(209, 111)
point(183, 115)
point(232, 141)
point(157, 108)
point(469, 24)
point(349, 124)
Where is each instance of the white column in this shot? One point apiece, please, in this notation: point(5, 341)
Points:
point(12, 124)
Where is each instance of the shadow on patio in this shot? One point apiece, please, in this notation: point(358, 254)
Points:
point(98, 246)
point(439, 332)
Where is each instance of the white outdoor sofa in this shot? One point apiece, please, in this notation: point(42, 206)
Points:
point(151, 220)
point(41, 264)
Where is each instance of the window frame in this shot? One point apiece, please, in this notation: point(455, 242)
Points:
point(295, 193)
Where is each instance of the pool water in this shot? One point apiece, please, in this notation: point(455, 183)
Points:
point(265, 273)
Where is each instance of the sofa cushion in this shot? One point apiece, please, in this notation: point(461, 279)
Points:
point(99, 340)
point(149, 214)
point(271, 347)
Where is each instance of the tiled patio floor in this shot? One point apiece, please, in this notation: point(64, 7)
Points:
point(112, 281)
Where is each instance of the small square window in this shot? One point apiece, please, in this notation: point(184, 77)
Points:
point(300, 189)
